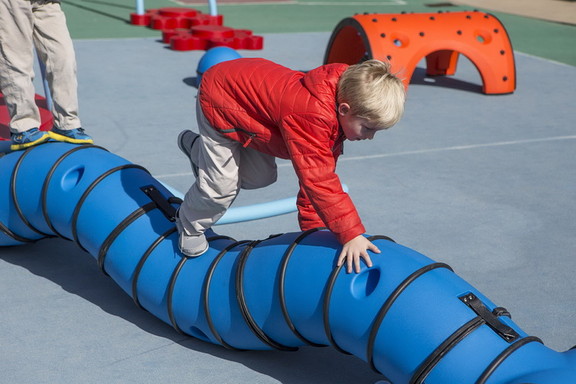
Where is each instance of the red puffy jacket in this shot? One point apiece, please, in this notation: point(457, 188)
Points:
point(291, 115)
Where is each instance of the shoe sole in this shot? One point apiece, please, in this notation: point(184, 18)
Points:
point(66, 139)
point(195, 254)
point(180, 229)
point(180, 135)
point(43, 139)
point(185, 150)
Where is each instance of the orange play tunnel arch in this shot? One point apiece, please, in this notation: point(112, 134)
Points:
point(404, 39)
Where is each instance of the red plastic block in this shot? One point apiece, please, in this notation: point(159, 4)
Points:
point(212, 32)
point(188, 43)
point(203, 19)
point(186, 29)
point(46, 119)
point(217, 36)
point(178, 12)
point(137, 19)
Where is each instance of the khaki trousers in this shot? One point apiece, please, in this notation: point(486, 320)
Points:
point(25, 25)
point(225, 167)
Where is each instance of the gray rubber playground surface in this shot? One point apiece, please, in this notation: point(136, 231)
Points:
point(486, 184)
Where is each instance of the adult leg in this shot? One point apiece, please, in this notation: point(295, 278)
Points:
point(17, 64)
point(54, 45)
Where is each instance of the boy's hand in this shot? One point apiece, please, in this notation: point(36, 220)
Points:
point(355, 249)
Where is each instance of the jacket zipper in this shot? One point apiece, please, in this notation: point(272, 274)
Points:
point(251, 135)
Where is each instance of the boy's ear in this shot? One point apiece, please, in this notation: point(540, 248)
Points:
point(343, 109)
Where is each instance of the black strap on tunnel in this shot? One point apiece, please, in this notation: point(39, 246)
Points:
point(438, 354)
point(161, 202)
point(390, 301)
point(281, 285)
point(503, 330)
point(172, 285)
point(4, 229)
point(326, 309)
point(221, 237)
point(328, 297)
point(503, 356)
point(49, 178)
point(484, 316)
point(243, 258)
point(142, 261)
point(380, 237)
point(206, 295)
point(90, 189)
point(15, 194)
point(107, 243)
point(500, 311)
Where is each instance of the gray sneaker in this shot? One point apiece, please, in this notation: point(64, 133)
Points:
point(190, 245)
point(186, 140)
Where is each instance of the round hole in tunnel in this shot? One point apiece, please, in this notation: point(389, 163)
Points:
point(72, 177)
point(365, 283)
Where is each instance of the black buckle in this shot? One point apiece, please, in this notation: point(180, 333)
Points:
point(503, 330)
point(161, 202)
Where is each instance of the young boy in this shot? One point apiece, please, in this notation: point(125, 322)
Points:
point(251, 111)
point(39, 24)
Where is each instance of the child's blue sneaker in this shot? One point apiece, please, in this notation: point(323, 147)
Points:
point(73, 136)
point(28, 138)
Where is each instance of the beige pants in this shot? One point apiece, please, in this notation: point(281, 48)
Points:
point(25, 25)
point(225, 167)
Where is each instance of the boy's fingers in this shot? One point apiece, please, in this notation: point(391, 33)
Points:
point(374, 248)
point(341, 258)
point(368, 260)
point(357, 264)
point(353, 262)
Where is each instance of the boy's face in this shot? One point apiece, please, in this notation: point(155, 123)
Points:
point(354, 127)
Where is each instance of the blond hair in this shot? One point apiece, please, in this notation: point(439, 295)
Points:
point(373, 92)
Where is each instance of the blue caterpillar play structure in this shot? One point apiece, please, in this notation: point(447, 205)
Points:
point(412, 319)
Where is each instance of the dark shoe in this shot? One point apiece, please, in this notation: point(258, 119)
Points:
point(28, 138)
point(73, 136)
point(186, 140)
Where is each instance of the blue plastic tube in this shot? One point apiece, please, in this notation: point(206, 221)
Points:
point(411, 318)
point(254, 211)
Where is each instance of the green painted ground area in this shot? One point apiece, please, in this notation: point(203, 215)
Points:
point(89, 19)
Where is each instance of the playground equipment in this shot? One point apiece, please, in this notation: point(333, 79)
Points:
point(143, 17)
point(186, 29)
point(46, 117)
point(44, 106)
point(410, 318)
point(214, 56)
point(405, 39)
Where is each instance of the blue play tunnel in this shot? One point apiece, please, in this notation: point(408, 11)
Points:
point(411, 318)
